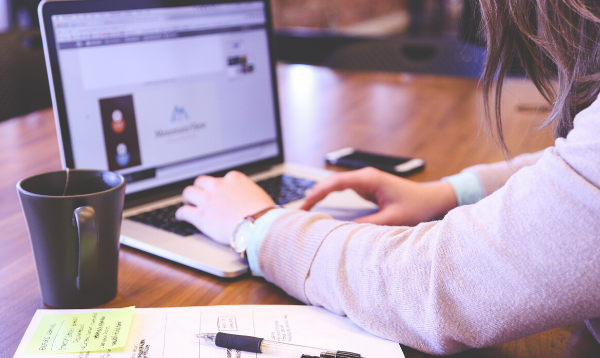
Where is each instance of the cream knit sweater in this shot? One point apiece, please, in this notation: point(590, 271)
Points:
point(521, 261)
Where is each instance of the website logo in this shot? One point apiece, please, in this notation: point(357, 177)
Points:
point(179, 114)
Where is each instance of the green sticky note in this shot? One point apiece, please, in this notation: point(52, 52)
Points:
point(82, 332)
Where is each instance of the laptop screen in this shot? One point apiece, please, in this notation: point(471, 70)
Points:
point(161, 95)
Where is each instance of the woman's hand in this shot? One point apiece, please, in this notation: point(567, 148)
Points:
point(216, 205)
point(401, 201)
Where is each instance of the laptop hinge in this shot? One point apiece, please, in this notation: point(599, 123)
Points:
point(153, 196)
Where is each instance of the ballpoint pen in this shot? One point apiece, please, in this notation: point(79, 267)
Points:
point(260, 345)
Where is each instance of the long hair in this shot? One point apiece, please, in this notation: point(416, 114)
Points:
point(558, 44)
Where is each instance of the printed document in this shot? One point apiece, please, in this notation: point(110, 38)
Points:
point(171, 332)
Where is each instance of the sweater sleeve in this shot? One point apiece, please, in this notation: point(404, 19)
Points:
point(477, 182)
point(493, 176)
point(521, 261)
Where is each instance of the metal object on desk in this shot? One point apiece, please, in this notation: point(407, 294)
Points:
point(274, 348)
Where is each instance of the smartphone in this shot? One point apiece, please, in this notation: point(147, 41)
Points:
point(354, 158)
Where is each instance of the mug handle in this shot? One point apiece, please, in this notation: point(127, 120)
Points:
point(84, 219)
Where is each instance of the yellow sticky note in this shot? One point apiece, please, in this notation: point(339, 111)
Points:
point(82, 332)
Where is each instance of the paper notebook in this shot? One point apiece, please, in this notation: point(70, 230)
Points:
point(171, 332)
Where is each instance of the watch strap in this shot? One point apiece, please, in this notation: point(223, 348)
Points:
point(257, 216)
point(250, 218)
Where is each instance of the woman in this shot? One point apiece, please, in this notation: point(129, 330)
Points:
point(521, 260)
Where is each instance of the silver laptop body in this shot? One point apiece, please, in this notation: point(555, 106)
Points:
point(162, 94)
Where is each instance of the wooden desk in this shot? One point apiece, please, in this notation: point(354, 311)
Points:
point(434, 118)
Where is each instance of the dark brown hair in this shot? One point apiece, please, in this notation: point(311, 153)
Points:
point(558, 44)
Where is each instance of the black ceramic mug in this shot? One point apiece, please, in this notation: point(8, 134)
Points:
point(74, 223)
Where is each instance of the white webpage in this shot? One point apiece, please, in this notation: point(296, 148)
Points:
point(163, 95)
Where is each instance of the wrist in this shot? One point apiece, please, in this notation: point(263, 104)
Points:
point(443, 195)
point(257, 235)
point(262, 212)
point(243, 230)
point(467, 187)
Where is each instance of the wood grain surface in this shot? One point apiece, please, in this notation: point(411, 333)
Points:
point(434, 118)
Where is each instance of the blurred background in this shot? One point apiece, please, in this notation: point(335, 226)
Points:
point(419, 36)
point(371, 17)
point(354, 17)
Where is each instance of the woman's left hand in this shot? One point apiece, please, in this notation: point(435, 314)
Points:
point(216, 205)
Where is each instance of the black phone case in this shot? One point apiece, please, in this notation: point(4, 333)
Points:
point(359, 164)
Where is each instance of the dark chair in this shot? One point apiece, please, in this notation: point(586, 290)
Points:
point(434, 56)
point(23, 78)
point(417, 52)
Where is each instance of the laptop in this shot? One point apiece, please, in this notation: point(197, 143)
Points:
point(164, 91)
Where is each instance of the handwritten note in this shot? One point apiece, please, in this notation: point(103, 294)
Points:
point(83, 332)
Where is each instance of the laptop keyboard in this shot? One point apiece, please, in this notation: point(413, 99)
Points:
point(283, 189)
point(164, 218)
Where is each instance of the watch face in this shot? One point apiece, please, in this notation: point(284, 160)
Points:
point(240, 240)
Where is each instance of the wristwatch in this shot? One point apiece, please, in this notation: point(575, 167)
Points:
point(239, 240)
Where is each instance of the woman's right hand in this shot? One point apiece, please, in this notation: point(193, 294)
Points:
point(401, 201)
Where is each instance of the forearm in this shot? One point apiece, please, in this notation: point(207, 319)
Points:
point(493, 176)
point(486, 274)
point(475, 183)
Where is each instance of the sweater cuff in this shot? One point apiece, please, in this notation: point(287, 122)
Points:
point(467, 187)
point(289, 248)
point(257, 235)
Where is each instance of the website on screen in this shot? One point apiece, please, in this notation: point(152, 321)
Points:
point(162, 95)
